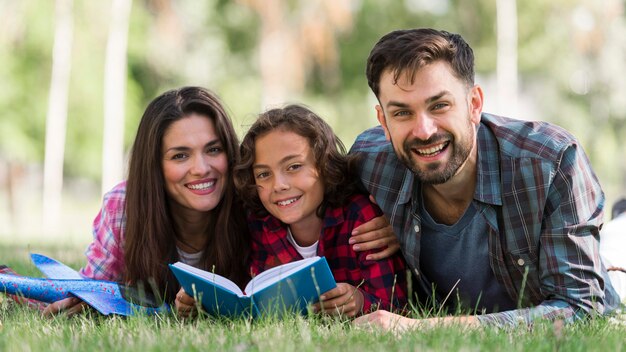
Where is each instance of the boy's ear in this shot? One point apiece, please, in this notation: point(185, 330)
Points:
point(380, 115)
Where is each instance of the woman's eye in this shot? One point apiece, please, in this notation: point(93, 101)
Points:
point(178, 156)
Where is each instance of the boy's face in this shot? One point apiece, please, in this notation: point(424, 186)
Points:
point(431, 122)
point(287, 179)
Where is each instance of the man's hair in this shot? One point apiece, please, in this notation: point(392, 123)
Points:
point(618, 208)
point(407, 51)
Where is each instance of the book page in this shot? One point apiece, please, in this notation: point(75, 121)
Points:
point(211, 277)
point(276, 274)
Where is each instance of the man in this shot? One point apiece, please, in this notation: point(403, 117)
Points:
point(496, 216)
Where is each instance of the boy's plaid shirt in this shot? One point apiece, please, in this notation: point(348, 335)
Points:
point(380, 281)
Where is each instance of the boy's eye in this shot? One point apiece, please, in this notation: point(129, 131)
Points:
point(215, 150)
point(261, 175)
point(294, 167)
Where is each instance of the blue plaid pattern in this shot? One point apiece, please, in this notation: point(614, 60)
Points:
point(544, 207)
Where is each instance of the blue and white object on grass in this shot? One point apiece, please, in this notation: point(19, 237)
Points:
point(105, 296)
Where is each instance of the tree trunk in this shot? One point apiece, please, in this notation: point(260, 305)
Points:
point(114, 95)
point(507, 76)
point(56, 119)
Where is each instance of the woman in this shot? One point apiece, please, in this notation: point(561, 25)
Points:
point(178, 203)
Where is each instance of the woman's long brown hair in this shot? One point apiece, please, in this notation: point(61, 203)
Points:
point(150, 240)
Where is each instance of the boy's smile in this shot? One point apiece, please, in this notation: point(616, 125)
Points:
point(289, 185)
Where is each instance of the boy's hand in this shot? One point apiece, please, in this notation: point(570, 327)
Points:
point(344, 299)
point(185, 304)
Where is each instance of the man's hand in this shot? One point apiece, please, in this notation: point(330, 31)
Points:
point(387, 321)
point(185, 304)
point(344, 299)
point(70, 306)
point(375, 234)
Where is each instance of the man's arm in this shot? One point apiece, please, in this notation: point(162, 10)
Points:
point(569, 268)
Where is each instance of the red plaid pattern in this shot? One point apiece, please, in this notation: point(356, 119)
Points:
point(375, 279)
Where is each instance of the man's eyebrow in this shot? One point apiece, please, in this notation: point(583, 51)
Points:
point(399, 104)
point(438, 96)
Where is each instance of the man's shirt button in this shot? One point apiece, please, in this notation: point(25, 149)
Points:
point(520, 262)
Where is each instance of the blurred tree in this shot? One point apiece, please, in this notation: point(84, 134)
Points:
point(115, 95)
point(297, 37)
point(507, 73)
point(57, 116)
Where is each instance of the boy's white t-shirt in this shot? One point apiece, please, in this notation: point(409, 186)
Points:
point(305, 252)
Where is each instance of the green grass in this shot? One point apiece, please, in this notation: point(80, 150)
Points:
point(24, 329)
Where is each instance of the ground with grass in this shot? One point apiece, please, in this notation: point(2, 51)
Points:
point(23, 329)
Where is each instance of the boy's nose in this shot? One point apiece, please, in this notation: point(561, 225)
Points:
point(280, 184)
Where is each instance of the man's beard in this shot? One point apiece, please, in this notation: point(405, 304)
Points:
point(428, 174)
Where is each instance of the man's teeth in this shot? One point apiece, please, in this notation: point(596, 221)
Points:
point(432, 150)
point(287, 202)
point(202, 186)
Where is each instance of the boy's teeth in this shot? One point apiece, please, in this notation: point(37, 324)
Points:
point(287, 202)
point(202, 186)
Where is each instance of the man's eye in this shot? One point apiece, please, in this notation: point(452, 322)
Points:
point(401, 113)
point(440, 106)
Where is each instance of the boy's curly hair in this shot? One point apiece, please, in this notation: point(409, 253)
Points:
point(336, 168)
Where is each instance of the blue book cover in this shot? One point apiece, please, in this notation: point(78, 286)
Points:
point(289, 287)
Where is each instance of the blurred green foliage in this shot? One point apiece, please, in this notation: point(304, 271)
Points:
point(215, 44)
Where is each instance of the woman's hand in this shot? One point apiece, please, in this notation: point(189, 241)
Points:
point(375, 234)
point(70, 306)
point(185, 304)
point(344, 299)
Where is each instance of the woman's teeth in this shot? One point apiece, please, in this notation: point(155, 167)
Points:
point(202, 186)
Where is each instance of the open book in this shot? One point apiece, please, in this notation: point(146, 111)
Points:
point(287, 287)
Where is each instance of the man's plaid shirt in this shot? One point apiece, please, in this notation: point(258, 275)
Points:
point(544, 207)
point(381, 282)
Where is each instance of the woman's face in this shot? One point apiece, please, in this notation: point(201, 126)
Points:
point(195, 164)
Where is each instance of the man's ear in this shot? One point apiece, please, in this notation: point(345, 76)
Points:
point(380, 115)
point(476, 103)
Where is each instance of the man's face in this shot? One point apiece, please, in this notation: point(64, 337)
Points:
point(431, 122)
